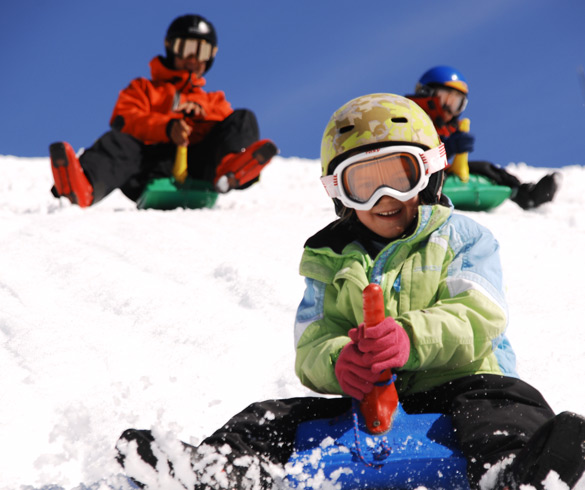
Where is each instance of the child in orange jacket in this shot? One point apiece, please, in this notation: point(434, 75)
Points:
point(154, 116)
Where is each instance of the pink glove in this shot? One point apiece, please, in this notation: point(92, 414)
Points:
point(354, 375)
point(384, 346)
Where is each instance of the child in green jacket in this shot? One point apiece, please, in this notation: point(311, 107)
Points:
point(444, 331)
point(446, 316)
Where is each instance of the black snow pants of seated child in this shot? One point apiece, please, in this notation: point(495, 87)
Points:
point(119, 161)
point(495, 418)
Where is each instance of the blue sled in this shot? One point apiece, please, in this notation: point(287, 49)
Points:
point(417, 451)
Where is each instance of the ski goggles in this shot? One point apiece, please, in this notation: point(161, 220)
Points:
point(400, 172)
point(200, 48)
point(453, 100)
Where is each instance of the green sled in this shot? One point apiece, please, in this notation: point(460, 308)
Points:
point(479, 194)
point(167, 194)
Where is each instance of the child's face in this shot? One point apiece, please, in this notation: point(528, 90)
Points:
point(452, 101)
point(390, 218)
point(191, 64)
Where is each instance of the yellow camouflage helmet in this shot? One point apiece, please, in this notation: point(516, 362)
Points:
point(375, 118)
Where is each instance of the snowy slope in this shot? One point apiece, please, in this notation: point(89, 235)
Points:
point(113, 318)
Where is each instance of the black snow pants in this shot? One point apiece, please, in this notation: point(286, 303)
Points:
point(494, 417)
point(119, 161)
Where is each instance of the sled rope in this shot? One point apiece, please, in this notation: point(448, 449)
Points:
point(382, 451)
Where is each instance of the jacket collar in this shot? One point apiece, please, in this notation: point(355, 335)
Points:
point(180, 78)
point(337, 235)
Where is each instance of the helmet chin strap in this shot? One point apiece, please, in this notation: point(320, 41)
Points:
point(431, 194)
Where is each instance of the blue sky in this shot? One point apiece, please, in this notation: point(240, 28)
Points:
point(294, 63)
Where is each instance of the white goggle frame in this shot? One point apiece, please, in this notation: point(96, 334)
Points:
point(430, 162)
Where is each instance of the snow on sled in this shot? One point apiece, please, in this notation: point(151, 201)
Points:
point(419, 450)
point(168, 193)
point(377, 445)
point(478, 194)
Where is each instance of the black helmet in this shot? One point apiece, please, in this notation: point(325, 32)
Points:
point(191, 27)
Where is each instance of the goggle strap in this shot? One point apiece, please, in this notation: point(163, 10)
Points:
point(435, 159)
point(331, 186)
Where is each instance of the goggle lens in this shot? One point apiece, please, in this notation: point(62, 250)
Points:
point(399, 171)
point(453, 100)
point(200, 48)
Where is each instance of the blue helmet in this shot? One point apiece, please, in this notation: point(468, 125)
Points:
point(445, 76)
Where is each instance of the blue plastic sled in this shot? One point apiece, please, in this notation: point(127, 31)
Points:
point(419, 450)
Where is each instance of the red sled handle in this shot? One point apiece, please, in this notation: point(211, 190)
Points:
point(379, 405)
point(373, 298)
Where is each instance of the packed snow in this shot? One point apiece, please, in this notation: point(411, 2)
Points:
point(113, 317)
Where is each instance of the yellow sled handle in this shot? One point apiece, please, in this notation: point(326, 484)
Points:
point(180, 166)
point(460, 165)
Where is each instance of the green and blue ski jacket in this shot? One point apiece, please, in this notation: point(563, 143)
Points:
point(442, 283)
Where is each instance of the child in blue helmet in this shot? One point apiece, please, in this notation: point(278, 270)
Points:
point(443, 92)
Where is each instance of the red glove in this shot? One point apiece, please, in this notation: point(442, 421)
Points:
point(354, 374)
point(384, 346)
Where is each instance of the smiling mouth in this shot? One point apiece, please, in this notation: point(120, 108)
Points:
point(387, 214)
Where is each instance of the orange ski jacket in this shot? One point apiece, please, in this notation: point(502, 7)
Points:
point(145, 108)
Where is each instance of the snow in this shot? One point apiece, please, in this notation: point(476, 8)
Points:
point(112, 318)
